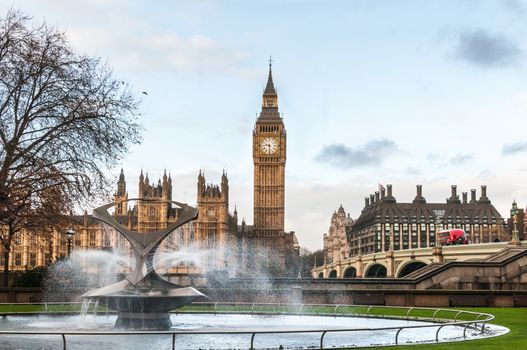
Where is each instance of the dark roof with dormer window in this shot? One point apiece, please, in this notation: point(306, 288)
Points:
point(387, 210)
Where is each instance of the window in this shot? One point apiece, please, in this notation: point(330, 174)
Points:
point(439, 212)
point(32, 259)
point(18, 259)
point(211, 238)
point(106, 238)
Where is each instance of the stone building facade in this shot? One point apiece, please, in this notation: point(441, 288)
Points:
point(216, 229)
point(336, 245)
point(385, 225)
point(242, 249)
point(268, 246)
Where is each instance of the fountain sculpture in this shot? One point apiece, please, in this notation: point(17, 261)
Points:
point(144, 299)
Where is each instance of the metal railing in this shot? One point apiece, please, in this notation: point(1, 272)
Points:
point(478, 323)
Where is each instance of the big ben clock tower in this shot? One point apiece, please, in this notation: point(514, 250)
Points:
point(269, 155)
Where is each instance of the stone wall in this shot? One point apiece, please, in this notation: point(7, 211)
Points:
point(426, 298)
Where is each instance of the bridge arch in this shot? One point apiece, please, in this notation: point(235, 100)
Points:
point(350, 272)
point(376, 271)
point(410, 267)
point(321, 275)
point(333, 274)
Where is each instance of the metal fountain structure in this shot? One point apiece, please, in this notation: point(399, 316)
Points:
point(144, 299)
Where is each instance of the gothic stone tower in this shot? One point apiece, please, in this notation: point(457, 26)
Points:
point(152, 215)
point(121, 196)
point(212, 225)
point(269, 154)
point(269, 248)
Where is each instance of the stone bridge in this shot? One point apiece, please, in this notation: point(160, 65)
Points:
point(400, 263)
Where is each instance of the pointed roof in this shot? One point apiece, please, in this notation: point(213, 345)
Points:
point(121, 176)
point(269, 88)
point(269, 111)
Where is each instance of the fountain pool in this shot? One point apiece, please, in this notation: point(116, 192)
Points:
point(226, 331)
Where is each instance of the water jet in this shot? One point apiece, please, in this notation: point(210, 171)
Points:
point(143, 299)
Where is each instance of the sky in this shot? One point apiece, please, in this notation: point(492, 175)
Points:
point(372, 92)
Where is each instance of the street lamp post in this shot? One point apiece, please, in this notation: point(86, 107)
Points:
point(69, 236)
point(514, 217)
point(438, 224)
point(437, 251)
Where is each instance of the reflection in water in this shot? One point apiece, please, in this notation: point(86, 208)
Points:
point(208, 322)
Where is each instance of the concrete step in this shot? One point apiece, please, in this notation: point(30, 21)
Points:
point(505, 254)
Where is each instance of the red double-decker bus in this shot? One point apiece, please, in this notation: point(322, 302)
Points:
point(453, 236)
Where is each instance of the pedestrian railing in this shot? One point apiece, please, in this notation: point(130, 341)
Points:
point(457, 318)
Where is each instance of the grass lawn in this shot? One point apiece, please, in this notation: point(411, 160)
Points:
point(513, 318)
point(50, 308)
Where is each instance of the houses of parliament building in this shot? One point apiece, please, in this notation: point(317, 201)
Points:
point(242, 249)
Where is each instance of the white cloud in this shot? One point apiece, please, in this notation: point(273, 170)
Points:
point(122, 31)
point(162, 51)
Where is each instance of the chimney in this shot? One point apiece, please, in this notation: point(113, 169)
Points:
point(389, 197)
point(454, 198)
point(464, 197)
point(366, 202)
point(377, 198)
point(473, 195)
point(484, 197)
point(383, 193)
point(419, 195)
point(372, 198)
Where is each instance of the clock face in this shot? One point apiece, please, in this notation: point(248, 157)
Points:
point(269, 145)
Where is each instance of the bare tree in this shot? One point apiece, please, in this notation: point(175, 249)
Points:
point(309, 260)
point(64, 123)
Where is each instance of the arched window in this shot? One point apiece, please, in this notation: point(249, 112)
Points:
point(376, 271)
point(350, 272)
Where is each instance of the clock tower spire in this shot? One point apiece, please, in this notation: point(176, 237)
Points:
point(270, 98)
